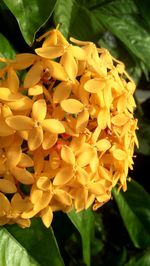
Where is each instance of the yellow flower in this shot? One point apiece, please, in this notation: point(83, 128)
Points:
point(35, 126)
point(67, 131)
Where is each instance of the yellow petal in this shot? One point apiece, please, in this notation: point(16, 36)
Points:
point(63, 197)
point(23, 223)
point(85, 157)
point(68, 129)
point(119, 154)
point(19, 122)
point(6, 111)
point(29, 214)
point(67, 155)
point(47, 216)
point(96, 134)
point(53, 126)
point(131, 86)
point(23, 61)
point(13, 80)
point(78, 42)
point(81, 67)
point(6, 95)
point(35, 195)
point(35, 90)
point(72, 106)
point(81, 176)
point(82, 121)
point(5, 130)
point(44, 201)
point(104, 173)
point(103, 118)
point(103, 145)
point(61, 92)
point(94, 85)
point(77, 52)
point(33, 76)
point(120, 119)
point(21, 105)
point(13, 155)
point(23, 175)
point(4, 204)
point(63, 176)
point(51, 40)
point(107, 96)
point(7, 186)
point(35, 138)
point(81, 199)
point(96, 188)
point(43, 183)
point(56, 70)
point(49, 140)
point(25, 161)
point(50, 52)
point(70, 65)
point(39, 110)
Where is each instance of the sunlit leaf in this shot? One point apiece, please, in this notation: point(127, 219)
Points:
point(39, 241)
point(12, 253)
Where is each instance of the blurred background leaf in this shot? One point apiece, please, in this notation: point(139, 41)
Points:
point(140, 260)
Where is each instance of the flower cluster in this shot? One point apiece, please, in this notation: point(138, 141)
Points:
point(67, 130)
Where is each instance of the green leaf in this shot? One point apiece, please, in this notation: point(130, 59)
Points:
point(31, 15)
point(144, 9)
point(135, 212)
point(84, 223)
point(142, 260)
point(12, 253)
point(143, 135)
point(6, 50)
point(39, 241)
point(120, 18)
point(76, 20)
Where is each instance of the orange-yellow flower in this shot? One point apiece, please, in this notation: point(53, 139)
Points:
point(67, 131)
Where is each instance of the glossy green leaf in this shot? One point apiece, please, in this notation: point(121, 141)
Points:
point(31, 15)
point(83, 221)
point(142, 260)
point(39, 241)
point(6, 50)
point(12, 253)
point(120, 18)
point(134, 207)
point(76, 20)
